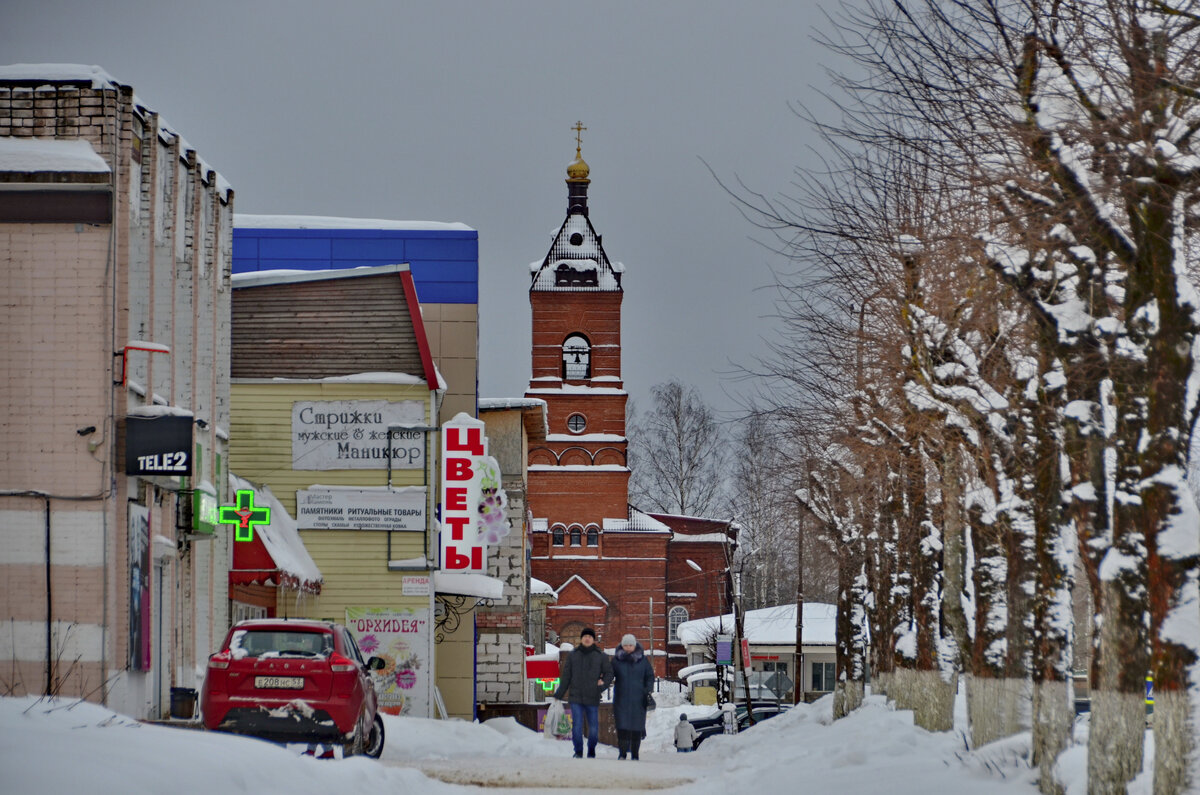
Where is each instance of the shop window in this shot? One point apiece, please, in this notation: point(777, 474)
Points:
point(675, 617)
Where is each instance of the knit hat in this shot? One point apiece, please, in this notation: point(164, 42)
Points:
point(588, 631)
point(628, 640)
point(682, 716)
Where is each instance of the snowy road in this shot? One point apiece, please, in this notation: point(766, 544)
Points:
point(579, 775)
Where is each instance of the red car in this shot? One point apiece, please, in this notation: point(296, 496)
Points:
point(293, 681)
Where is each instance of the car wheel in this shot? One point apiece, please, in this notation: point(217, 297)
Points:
point(354, 745)
point(374, 746)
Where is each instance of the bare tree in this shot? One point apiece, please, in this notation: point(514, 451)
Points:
point(677, 454)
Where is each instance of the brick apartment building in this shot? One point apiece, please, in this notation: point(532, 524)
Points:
point(115, 254)
point(612, 566)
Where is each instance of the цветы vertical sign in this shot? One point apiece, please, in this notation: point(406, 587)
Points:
point(472, 500)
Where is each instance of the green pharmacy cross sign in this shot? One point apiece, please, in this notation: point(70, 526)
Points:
point(244, 515)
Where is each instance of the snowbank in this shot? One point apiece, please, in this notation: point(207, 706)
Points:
point(411, 739)
point(68, 746)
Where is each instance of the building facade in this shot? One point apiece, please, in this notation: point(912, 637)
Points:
point(335, 397)
point(771, 632)
point(503, 625)
point(115, 259)
point(443, 259)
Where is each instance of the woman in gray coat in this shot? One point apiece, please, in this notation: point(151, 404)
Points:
point(633, 682)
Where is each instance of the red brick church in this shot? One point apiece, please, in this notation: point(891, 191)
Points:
point(612, 566)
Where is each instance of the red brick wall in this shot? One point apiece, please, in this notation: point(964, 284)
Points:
point(570, 496)
point(632, 573)
point(596, 315)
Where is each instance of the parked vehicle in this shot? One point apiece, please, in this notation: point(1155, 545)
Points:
point(293, 681)
point(713, 723)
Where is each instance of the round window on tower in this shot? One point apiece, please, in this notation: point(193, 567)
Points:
point(576, 239)
point(576, 423)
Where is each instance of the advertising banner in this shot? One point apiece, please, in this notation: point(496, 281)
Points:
point(472, 501)
point(401, 636)
point(139, 587)
point(724, 650)
point(353, 434)
point(399, 510)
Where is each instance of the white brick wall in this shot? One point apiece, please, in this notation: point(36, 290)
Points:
point(59, 339)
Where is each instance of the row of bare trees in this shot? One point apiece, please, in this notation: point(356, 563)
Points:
point(988, 360)
point(686, 460)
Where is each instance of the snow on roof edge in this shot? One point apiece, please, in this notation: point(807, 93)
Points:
point(257, 221)
point(290, 276)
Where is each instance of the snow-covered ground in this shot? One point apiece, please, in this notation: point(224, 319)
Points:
point(65, 746)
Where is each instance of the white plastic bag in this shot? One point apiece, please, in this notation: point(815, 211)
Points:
point(554, 715)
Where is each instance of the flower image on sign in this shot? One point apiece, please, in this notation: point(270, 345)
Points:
point(353, 434)
point(472, 500)
point(401, 638)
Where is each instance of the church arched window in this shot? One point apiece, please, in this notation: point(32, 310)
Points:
point(675, 617)
point(557, 535)
point(577, 358)
point(576, 536)
point(593, 536)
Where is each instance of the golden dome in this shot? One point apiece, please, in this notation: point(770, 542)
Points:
point(578, 170)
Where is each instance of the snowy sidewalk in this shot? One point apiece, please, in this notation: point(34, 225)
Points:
point(65, 746)
point(578, 775)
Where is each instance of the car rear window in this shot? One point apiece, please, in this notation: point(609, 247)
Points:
point(280, 643)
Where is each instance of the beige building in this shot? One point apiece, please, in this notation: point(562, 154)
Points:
point(327, 365)
point(115, 259)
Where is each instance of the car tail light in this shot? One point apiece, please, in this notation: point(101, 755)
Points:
point(340, 664)
point(220, 660)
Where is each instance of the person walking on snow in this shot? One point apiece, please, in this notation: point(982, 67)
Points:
point(631, 695)
point(584, 676)
point(685, 735)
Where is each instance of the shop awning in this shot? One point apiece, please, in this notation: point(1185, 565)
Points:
point(275, 555)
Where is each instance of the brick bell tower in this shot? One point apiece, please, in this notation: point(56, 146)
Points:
point(606, 561)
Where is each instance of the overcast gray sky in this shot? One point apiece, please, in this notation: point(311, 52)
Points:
point(460, 111)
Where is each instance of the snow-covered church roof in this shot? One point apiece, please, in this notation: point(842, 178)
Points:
point(576, 261)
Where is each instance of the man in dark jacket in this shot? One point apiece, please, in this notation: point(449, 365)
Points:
point(584, 676)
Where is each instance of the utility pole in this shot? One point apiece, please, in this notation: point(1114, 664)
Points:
point(651, 651)
point(798, 688)
point(741, 664)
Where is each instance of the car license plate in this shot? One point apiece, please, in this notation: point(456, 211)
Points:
point(280, 682)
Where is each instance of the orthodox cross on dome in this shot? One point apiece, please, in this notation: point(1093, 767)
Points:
point(578, 128)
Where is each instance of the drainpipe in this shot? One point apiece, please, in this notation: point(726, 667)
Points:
point(49, 594)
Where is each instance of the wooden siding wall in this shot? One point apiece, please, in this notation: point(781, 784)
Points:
point(323, 328)
point(262, 424)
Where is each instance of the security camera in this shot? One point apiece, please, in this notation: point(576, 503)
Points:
point(201, 424)
point(86, 430)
